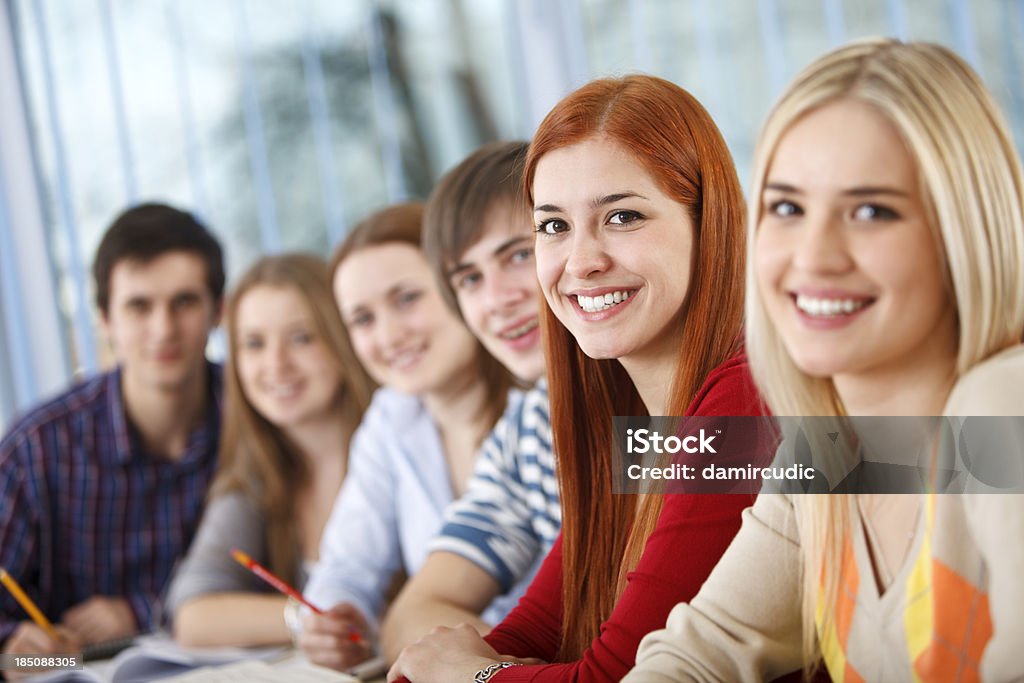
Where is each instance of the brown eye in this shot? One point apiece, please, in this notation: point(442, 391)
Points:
point(624, 217)
point(552, 226)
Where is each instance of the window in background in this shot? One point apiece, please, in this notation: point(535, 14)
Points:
point(736, 55)
point(282, 124)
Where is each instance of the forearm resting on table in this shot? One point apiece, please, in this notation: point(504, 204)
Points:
point(231, 620)
point(447, 591)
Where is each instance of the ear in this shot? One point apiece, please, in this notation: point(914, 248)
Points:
point(104, 324)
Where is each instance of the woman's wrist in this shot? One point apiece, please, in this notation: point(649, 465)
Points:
point(485, 674)
point(293, 619)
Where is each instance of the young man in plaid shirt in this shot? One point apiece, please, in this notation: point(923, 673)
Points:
point(101, 488)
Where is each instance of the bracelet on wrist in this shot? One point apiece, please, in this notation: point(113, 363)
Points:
point(485, 674)
point(293, 619)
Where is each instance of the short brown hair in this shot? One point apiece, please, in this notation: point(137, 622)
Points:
point(148, 231)
point(456, 209)
point(395, 223)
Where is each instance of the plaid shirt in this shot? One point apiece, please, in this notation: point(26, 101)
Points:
point(85, 511)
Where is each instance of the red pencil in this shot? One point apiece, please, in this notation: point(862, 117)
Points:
point(279, 584)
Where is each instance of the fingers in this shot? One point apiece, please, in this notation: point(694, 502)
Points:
point(335, 638)
point(69, 642)
point(30, 639)
point(358, 627)
point(336, 654)
point(445, 654)
point(333, 651)
point(83, 627)
point(79, 622)
point(328, 624)
point(99, 618)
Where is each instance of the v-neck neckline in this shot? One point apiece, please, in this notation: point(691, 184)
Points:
point(863, 557)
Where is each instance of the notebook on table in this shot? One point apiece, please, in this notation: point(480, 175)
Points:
point(250, 671)
point(156, 657)
point(107, 649)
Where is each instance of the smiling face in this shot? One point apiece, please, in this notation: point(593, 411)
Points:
point(846, 262)
point(157, 321)
point(284, 366)
point(613, 252)
point(402, 331)
point(495, 283)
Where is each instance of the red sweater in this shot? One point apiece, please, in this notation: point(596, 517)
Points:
point(692, 533)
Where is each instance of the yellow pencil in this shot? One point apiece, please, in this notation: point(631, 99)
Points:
point(26, 602)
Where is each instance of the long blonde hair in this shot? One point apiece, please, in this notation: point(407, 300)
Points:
point(971, 182)
point(257, 458)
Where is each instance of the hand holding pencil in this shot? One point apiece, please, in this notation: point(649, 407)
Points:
point(354, 634)
point(272, 579)
point(326, 638)
point(332, 638)
point(28, 605)
point(37, 637)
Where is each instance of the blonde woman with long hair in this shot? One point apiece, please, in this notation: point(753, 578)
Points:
point(885, 278)
point(294, 395)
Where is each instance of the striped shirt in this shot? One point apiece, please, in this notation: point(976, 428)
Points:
point(510, 515)
point(85, 511)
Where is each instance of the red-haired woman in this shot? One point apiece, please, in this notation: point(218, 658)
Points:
point(639, 253)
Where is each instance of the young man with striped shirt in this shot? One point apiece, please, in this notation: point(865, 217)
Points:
point(478, 235)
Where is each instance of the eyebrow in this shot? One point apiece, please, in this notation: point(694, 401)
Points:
point(872, 190)
point(597, 203)
point(398, 287)
point(507, 245)
point(392, 290)
point(865, 191)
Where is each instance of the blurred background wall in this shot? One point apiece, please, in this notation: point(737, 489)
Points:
point(282, 122)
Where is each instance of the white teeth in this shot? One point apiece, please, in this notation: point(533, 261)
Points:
point(401, 360)
point(828, 307)
point(517, 332)
point(283, 390)
point(593, 304)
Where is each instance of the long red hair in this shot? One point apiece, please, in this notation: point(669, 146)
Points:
point(675, 139)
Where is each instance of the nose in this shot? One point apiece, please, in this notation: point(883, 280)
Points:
point(278, 355)
point(389, 332)
point(822, 247)
point(162, 322)
point(502, 292)
point(587, 256)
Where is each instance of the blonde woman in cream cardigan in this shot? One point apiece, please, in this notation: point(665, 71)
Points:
point(884, 278)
